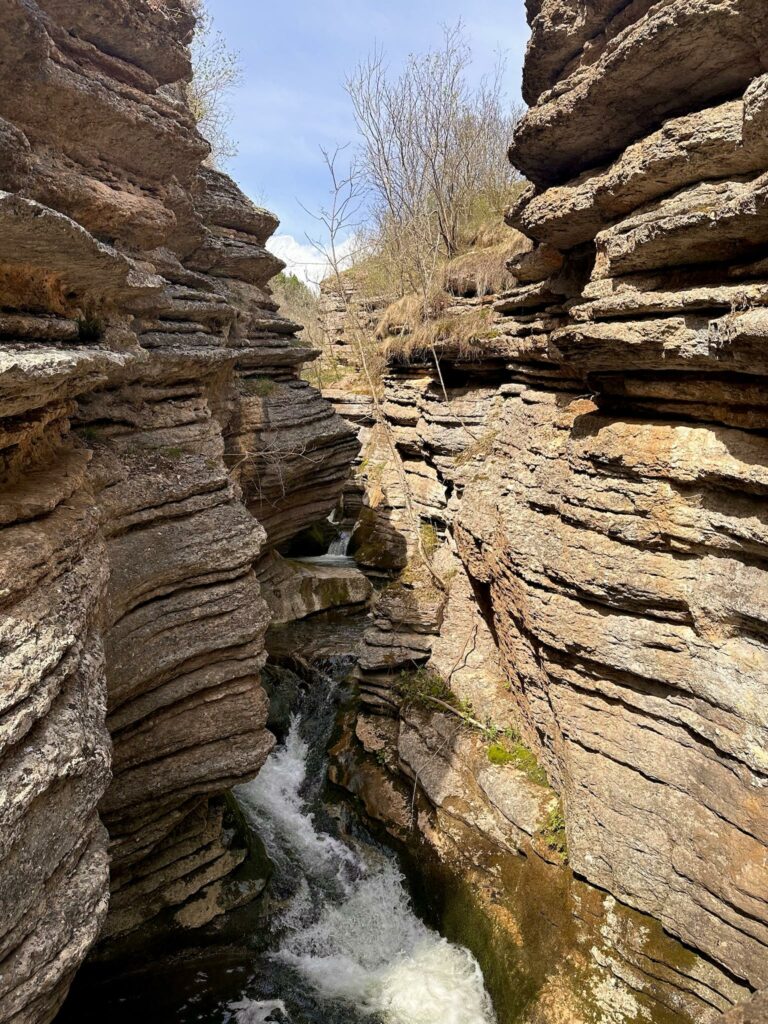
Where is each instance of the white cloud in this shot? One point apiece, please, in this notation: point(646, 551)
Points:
point(303, 259)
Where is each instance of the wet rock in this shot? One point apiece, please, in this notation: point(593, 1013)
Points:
point(295, 589)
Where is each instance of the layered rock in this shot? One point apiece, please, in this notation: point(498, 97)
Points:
point(593, 474)
point(146, 379)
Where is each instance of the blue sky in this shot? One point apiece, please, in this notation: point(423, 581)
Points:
point(295, 56)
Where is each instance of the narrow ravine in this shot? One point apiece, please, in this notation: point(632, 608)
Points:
point(348, 932)
point(336, 939)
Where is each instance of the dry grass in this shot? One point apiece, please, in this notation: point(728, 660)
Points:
point(492, 232)
point(480, 448)
point(479, 272)
point(482, 270)
point(460, 331)
point(484, 225)
point(408, 314)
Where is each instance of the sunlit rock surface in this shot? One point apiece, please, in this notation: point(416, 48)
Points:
point(592, 487)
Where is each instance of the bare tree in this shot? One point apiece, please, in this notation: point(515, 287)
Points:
point(433, 147)
point(433, 162)
point(216, 71)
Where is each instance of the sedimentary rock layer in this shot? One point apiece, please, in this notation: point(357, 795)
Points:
point(146, 378)
point(594, 476)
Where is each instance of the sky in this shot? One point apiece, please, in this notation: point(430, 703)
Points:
point(295, 56)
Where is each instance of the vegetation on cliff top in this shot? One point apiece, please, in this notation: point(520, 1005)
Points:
point(216, 71)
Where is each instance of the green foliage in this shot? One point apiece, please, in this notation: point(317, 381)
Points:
point(91, 434)
point(421, 683)
point(217, 70)
point(554, 833)
point(423, 686)
point(90, 326)
point(291, 287)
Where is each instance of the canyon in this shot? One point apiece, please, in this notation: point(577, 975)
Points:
point(562, 721)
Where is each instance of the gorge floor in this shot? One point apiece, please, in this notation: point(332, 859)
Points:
point(337, 940)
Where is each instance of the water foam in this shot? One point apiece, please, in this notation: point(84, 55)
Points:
point(252, 1011)
point(274, 805)
point(349, 930)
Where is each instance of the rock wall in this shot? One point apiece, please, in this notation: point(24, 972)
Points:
point(594, 482)
point(150, 404)
point(630, 554)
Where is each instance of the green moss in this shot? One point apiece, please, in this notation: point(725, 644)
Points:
point(334, 593)
point(533, 926)
point(508, 748)
point(172, 453)
point(515, 919)
point(526, 760)
point(498, 754)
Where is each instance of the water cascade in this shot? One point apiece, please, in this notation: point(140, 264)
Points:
point(348, 930)
point(340, 546)
point(336, 940)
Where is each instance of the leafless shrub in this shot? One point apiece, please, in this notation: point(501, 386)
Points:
point(432, 155)
point(299, 303)
point(217, 70)
point(273, 465)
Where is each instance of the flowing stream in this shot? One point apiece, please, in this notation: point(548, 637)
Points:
point(349, 931)
point(337, 554)
point(338, 943)
point(340, 546)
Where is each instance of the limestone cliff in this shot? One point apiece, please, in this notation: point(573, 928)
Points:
point(590, 487)
point(156, 441)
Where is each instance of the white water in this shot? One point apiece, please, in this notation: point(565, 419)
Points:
point(251, 1011)
point(340, 546)
point(336, 555)
point(349, 930)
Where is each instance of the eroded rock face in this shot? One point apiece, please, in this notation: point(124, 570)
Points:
point(595, 487)
point(146, 379)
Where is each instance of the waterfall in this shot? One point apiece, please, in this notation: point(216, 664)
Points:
point(348, 931)
point(335, 941)
point(341, 544)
